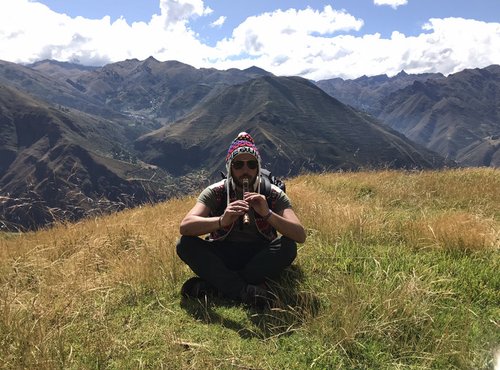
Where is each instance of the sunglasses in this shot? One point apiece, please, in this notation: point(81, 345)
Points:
point(238, 165)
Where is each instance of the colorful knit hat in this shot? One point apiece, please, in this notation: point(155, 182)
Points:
point(242, 144)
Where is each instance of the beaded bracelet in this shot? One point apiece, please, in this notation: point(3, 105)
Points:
point(266, 217)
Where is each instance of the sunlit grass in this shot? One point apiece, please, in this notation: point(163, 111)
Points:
point(400, 270)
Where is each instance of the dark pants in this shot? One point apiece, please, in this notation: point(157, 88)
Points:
point(230, 266)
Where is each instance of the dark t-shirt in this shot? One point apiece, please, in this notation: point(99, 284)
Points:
point(244, 233)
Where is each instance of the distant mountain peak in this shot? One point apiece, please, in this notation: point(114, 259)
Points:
point(151, 59)
point(257, 70)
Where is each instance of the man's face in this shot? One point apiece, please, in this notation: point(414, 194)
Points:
point(241, 167)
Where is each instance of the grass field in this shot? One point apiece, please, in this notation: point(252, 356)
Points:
point(400, 271)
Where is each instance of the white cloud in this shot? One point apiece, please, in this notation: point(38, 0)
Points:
point(290, 32)
point(181, 10)
point(30, 31)
point(301, 45)
point(219, 22)
point(316, 44)
point(392, 3)
point(456, 43)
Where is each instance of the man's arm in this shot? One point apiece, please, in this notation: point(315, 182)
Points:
point(197, 221)
point(285, 222)
point(288, 224)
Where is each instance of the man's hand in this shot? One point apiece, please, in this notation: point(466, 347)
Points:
point(285, 222)
point(234, 210)
point(257, 202)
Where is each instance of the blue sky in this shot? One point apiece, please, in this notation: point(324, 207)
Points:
point(313, 39)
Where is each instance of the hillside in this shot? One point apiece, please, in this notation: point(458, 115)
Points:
point(57, 163)
point(368, 93)
point(148, 89)
point(400, 270)
point(67, 133)
point(457, 116)
point(296, 126)
point(52, 91)
point(136, 131)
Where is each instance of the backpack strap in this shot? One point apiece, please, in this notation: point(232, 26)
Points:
point(265, 182)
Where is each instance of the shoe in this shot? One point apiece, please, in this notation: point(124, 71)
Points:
point(256, 296)
point(196, 287)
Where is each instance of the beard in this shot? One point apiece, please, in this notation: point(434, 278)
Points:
point(239, 181)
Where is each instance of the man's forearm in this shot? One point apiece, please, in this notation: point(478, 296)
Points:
point(197, 225)
point(288, 228)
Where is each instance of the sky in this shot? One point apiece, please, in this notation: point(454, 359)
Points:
point(312, 39)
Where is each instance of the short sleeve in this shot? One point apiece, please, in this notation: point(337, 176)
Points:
point(282, 201)
point(207, 197)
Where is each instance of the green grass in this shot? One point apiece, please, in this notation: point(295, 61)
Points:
point(400, 271)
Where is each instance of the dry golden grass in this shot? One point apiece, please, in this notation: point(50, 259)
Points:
point(447, 209)
point(376, 282)
point(51, 277)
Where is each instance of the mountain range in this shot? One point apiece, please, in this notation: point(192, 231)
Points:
point(78, 140)
point(57, 163)
point(456, 116)
point(298, 127)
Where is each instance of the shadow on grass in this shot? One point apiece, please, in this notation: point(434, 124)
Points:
point(290, 309)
